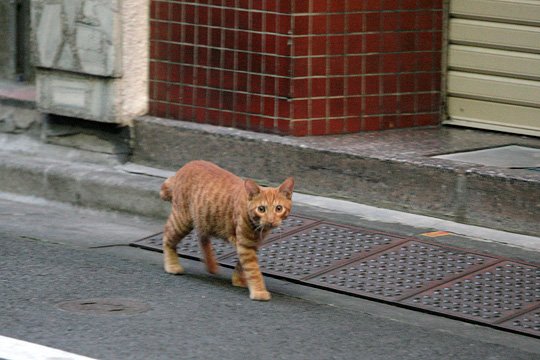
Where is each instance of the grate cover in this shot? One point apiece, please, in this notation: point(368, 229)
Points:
point(528, 322)
point(189, 246)
point(412, 273)
point(403, 270)
point(291, 224)
point(491, 295)
point(316, 249)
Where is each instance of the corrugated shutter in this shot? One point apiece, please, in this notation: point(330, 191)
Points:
point(493, 78)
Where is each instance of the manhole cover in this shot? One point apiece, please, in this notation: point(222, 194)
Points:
point(104, 306)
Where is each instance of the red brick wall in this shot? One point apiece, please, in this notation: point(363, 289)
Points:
point(302, 67)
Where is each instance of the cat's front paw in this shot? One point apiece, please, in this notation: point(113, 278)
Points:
point(260, 295)
point(175, 269)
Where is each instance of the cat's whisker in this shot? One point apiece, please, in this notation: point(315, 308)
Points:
point(260, 230)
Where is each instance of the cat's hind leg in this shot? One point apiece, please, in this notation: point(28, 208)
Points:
point(238, 277)
point(208, 253)
point(176, 228)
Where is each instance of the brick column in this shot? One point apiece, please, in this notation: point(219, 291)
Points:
point(309, 67)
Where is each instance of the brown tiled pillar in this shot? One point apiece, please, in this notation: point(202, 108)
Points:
point(308, 67)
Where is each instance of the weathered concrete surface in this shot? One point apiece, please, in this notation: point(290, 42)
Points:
point(87, 135)
point(16, 119)
point(392, 170)
point(91, 185)
point(100, 180)
point(372, 173)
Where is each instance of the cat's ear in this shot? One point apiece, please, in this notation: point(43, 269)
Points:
point(287, 187)
point(252, 188)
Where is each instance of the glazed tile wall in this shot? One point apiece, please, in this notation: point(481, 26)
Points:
point(304, 67)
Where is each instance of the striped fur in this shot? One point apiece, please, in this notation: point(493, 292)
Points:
point(217, 203)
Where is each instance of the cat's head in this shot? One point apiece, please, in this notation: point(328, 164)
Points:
point(267, 206)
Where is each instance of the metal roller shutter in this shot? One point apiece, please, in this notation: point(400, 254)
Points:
point(493, 78)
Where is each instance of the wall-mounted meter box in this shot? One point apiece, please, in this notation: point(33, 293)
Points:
point(91, 58)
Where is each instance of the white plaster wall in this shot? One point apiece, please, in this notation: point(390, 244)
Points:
point(132, 91)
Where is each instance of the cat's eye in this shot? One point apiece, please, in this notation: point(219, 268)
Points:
point(279, 208)
point(261, 209)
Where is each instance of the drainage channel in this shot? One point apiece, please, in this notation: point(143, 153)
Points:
point(439, 279)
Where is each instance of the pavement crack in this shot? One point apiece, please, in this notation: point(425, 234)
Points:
point(108, 246)
point(26, 237)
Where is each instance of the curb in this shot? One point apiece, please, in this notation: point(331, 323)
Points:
point(87, 185)
point(466, 193)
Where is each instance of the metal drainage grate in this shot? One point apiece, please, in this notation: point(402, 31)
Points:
point(412, 273)
point(528, 323)
point(493, 294)
point(316, 249)
point(291, 224)
point(403, 270)
point(189, 246)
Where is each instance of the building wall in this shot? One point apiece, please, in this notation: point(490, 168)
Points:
point(309, 67)
point(15, 62)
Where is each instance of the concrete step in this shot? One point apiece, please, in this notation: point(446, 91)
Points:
point(394, 169)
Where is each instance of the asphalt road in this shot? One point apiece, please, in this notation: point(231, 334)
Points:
point(51, 254)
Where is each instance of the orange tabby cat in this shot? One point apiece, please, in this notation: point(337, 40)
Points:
point(217, 203)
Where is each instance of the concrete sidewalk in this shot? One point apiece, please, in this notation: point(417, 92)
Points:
point(395, 170)
point(98, 180)
point(55, 255)
point(400, 170)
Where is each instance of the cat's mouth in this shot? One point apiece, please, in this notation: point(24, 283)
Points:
point(271, 225)
point(265, 226)
point(257, 224)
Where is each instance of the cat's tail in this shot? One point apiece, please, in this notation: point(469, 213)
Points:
point(166, 192)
